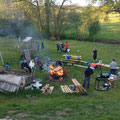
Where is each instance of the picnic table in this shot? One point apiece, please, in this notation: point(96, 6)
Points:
point(105, 65)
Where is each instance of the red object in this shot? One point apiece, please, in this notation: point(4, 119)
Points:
point(66, 46)
point(93, 64)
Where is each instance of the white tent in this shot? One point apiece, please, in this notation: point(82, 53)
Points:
point(27, 39)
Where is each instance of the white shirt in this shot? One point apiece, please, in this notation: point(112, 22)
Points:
point(31, 64)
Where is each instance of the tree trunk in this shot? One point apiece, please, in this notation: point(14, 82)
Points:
point(58, 21)
point(47, 11)
point(39, 15)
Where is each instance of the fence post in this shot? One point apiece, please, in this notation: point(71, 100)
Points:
point(1, 58)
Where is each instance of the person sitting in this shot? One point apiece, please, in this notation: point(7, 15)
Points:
point(32, 65)
point(7, 66)
point(25, 66)
point(39, 63)
point(58, 63)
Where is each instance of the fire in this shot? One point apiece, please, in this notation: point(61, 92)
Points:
point(56, 70)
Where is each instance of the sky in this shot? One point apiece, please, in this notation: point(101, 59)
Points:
point(76, 2)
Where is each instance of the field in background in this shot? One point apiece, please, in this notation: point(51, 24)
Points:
point(110, 29)
point(58, 106)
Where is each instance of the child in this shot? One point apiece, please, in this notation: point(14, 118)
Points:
point(7, 66)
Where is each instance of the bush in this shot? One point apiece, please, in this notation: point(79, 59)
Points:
point(52, 38)
point(93, 28)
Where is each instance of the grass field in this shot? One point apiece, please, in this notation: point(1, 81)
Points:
point(109, 32)
point(110, 29)
point(96, 105)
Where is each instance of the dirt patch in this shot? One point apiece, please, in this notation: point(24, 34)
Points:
point(47, 116)
point(11, 112)
point(21, 115)
point(68, 109)
point(59, 113)
point(99, 107)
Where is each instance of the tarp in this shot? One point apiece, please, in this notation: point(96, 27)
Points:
point(27, 39)
point(10, 82)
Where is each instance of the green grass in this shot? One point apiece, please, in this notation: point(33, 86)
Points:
point(95, 105)
point(109, 32)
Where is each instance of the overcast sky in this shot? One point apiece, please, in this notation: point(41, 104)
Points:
point(75, 2)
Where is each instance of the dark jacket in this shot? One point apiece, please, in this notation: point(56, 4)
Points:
point(24, 65)
point(88, 72)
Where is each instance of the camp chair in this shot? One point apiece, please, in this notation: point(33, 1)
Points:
point(21, 62)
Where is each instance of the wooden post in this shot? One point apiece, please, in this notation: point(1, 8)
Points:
point(1, 58)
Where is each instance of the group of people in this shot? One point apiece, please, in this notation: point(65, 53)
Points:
point(61, 47)
point(42, 46)
point(88, 72)
point(30, 66)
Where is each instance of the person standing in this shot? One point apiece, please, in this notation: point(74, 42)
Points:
point(58, 46)
point(42, 45)
point(88, 72)
point(62, 45)
point(66, 47)
point(113, 67)
point(94, 54)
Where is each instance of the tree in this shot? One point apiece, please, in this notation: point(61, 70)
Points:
point(94, 28)
point(47, 11)
point(113, 5)
point(57, 20)
point(90, 21)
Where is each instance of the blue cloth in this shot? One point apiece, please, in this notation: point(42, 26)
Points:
point(88, 63)
point(7, 66)
point(36, 59)
point(21, 62)
point(67, 57)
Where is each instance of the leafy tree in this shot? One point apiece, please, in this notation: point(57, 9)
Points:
point(94, 28)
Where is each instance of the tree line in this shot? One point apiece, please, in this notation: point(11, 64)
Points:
point(46, 18)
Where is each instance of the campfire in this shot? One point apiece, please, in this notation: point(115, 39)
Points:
point(56, 73)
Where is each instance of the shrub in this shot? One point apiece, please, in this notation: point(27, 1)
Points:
point(52, 38)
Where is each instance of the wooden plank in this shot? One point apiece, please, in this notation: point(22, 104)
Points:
point(57, 68)
point(105, 65)
point(82, 66)
point(1, 58)
point(66, 61)
point(78, 85)
point(51, 88)
point(66, 89)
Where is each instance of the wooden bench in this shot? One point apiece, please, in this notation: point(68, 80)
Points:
point(67, 61)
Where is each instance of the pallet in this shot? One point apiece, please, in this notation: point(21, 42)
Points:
point(50, 90)
point(66, 89)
